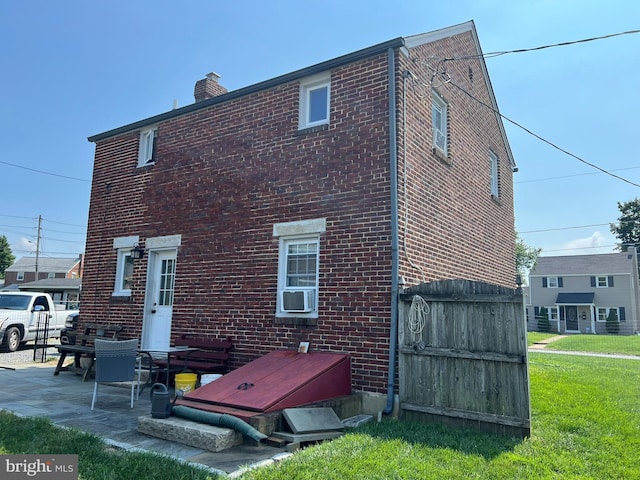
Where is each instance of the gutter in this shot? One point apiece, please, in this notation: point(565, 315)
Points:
point(393, 160)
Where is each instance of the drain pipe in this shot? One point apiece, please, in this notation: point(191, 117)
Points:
point(393, 167)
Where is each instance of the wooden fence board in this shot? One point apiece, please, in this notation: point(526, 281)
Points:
point(464, 360)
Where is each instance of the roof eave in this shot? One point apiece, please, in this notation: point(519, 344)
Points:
point(282, 79)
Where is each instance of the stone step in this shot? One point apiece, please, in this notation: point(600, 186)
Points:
point(194, 434)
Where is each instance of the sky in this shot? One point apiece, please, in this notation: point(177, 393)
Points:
point(73, 68)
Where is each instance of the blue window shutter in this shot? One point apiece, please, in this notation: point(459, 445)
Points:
point(559, 282)
point(593, 281)
point(622, 317)
point(536, 312)
point(610, 281)
point(544, 282)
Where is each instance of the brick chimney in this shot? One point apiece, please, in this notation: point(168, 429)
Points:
point(208, 87)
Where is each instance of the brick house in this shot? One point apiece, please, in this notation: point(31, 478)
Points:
point(24, 269)
point(294, 209)
point(579, 292)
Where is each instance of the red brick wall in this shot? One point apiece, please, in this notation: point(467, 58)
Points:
point(455, 228)
point(225, 174)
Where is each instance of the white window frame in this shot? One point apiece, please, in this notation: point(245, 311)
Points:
point(494, 174)
point(554, 313)
point(124, 260)
point(606, 311)
point(308, 87)
point(51, 275)
point(552, 282)
point(440, 130)
point(146, 155)
point(604, 284)
point(20, 277)
point(288, 233)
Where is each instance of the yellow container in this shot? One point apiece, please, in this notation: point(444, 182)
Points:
point(186, 381)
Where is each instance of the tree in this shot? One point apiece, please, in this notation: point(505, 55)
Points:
point(6, 256)
point(627, 230)
point(526, 258)
point(612, 324)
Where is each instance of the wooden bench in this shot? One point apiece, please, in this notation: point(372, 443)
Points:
point(84, 346)
point(211, 356)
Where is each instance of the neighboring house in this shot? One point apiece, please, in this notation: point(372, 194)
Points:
point(292, 209)
point(580, 291)
point(62, 290)
point(24, 269)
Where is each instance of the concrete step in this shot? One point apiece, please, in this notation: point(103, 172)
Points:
point(194, 434)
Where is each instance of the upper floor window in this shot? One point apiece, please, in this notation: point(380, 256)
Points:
point(315, 99)
point(147, 151)
point(551, 282)
point(20, 276)
point(439, 114)
point(51, 275)
point(494, 174)
point(602, 281)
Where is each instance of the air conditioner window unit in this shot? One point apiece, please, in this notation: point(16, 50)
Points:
point(297, 301)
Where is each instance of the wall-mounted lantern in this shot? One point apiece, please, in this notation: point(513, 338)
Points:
point(137, 252)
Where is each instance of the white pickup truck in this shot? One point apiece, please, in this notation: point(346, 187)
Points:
point(23, 315)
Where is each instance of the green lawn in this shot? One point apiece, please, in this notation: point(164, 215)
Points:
point(533, 337)
point(585, 425)
point(621, 344)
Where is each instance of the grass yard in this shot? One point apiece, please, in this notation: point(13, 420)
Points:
point(533, 337)
point(585, 424)
point(620, 344)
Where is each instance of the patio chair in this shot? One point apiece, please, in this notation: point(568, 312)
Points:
point(116, 361)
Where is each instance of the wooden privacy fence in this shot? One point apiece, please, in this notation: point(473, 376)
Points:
point(463, 356)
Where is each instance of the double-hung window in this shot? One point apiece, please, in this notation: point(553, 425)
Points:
point(315, 99)
point(147, 151)
point(299, 267)
point(439, 113)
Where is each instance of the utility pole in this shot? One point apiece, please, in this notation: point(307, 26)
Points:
point(38, 244)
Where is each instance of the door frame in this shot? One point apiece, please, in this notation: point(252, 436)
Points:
point(156, 246)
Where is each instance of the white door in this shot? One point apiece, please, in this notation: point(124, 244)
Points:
point(158, 310)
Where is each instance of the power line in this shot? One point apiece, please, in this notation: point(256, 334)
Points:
point(44, 173)
point(561, 44)
point(566, 228)
point(566, 152)
point(571, 176)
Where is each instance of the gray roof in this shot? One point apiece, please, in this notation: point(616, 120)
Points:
point(45, 264)
point(601, 264)
point(52, 284)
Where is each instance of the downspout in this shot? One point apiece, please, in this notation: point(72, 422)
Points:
point(393, 167)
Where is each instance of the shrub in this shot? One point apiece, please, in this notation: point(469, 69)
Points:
point(612, 325)
point(543, 320)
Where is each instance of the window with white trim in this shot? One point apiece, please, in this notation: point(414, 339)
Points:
point(147, 151)
point(494, 174)
point(315, 99)
point(602, 281)
point(553, 313)
point(20, 276)
point(51, 275)
point(439, 113)
point(124, 273)
point(299, 267)
point(603, 313)
point(298, 275)
point(552, 282)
